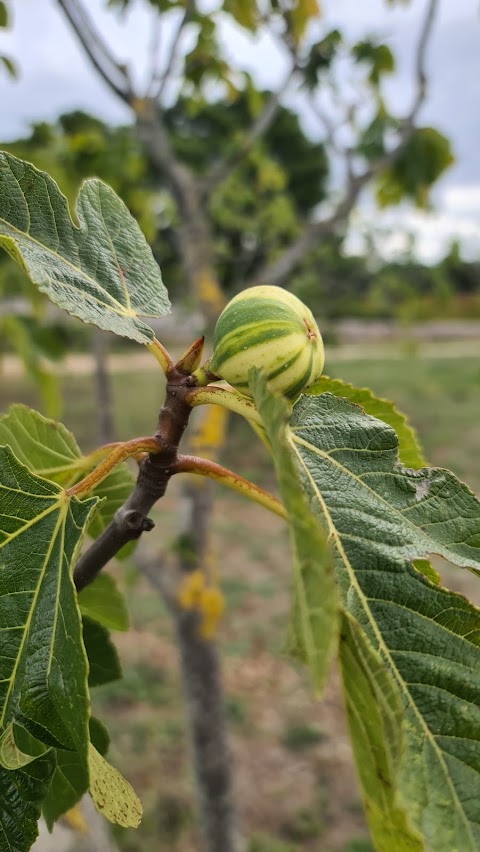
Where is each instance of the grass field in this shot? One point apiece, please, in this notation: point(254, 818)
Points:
point(295, 780)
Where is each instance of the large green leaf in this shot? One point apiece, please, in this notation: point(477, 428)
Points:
point(48, 449)
point(409, 449)
point(69, 783)
point(102, 601)
point(381, 516)
point(315, 606)
point(103, 662)
point(21, 794)
point(102, 271)
point(43, 667)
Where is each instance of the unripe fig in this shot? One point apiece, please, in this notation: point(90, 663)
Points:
point(269, 328)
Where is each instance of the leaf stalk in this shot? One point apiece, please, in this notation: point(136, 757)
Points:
point(161, 355)
point(230, 399)
point(212, 470)
point(119, 453)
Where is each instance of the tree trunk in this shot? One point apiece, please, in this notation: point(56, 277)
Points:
point(104, 407)
point(203, 689)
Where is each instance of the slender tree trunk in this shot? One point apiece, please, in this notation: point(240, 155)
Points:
point(104, 407)
point(203, 690)
point(202, 687)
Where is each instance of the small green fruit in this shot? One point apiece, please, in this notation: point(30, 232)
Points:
point(269, 328)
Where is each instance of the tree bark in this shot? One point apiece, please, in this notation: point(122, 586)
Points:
point(202, 688)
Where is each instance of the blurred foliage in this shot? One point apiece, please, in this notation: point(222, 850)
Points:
point(378, 57)
point(255, 214)
point(301, 736)
point(6, 63)
point(263, 205)
point(338, 285)
point(258, 210)
point(418, 164)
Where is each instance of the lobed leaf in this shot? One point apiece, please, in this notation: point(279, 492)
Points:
point(42, 661)
point(313, 631)
point(102, 271)
point(103, 662)
point(48, 449)
point(409, 450)
point(380, 517)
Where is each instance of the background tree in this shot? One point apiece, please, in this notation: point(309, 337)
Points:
point(369, 142)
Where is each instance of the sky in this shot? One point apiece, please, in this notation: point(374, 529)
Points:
point(55, 77)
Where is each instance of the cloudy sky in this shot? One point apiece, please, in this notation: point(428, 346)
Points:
point(55, 77)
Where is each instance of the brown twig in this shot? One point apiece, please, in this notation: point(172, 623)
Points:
point(172, 55)
point(131, 520)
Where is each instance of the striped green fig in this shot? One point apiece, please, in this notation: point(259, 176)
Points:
point(269, 328)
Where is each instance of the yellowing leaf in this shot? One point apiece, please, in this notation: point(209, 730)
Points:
point(112, 795)
point(11, 757)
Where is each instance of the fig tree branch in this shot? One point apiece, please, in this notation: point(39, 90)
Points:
point(150, 126)
point(164, 78)
point(131, 520)
point(278, 271)
point(112, 72)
